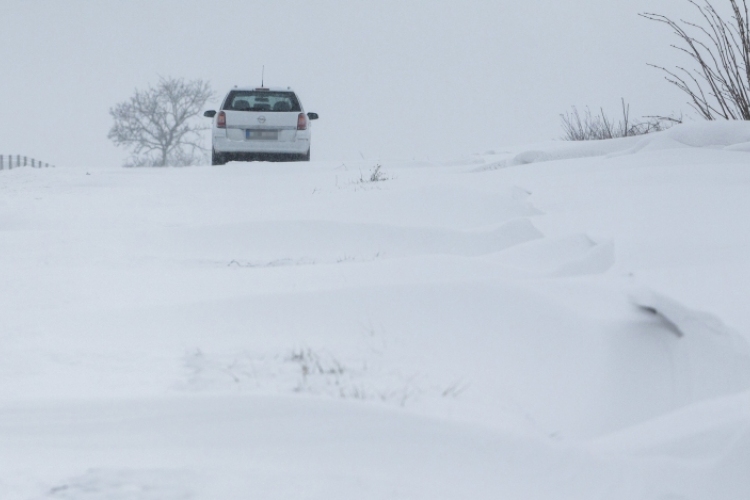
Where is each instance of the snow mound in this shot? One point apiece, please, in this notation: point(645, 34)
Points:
point(712, 432)
point(561, 150)
point(260, 244)
point(711, 134)
point(727, 135)
point(569, 151)
point(574, 255)
point(710, 358)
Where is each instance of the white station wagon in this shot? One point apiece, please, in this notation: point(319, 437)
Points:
point(260, 124)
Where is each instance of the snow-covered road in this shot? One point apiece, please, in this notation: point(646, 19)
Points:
point(552, 322)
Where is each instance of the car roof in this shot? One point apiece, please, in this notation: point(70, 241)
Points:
point(269, 89)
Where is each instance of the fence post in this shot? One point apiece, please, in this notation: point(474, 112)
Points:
point(18, 161)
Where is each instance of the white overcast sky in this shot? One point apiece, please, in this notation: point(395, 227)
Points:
point(390, 78)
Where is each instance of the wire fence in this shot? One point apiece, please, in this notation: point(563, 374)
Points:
point(18, 161)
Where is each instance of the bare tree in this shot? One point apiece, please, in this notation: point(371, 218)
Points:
point(157, 124)
point(720, 86)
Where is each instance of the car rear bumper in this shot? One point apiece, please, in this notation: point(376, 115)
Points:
point(222, 145)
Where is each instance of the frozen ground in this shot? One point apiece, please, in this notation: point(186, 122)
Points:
point(563, 321)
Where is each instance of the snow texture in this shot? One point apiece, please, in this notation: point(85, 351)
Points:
point(558, 321)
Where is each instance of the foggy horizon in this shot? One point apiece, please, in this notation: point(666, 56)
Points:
point(423, 80)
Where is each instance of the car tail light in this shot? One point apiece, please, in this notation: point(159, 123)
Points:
point(221, 120)
point(302, 122)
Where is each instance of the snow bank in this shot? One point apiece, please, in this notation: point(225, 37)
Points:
point(561, 150)
point(726, 135)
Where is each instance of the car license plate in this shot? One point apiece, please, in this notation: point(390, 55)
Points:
point(262, 135)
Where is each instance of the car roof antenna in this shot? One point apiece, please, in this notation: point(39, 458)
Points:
point(263, 77)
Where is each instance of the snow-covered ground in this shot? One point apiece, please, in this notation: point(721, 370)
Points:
point(563, 321)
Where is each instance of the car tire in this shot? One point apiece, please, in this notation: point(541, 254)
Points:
point(306, 156)
point(217, 158)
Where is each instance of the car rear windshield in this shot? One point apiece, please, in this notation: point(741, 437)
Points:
point(261, 100)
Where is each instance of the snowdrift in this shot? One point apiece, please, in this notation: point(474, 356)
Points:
point(572, 325)
point(725, 135)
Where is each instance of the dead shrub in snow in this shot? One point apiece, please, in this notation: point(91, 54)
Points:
point(311, 363)
point(595, 127)
point(158, 124)
point(369, 376)
point(376, 175)
point(720, 47)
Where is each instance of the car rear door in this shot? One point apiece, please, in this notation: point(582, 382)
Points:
point(262, 116)
point(257, 125)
